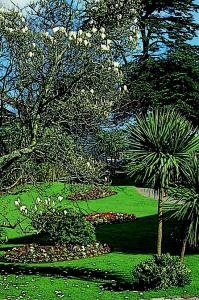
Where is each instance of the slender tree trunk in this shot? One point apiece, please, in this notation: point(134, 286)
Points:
point(160, 221)
point(184, 244)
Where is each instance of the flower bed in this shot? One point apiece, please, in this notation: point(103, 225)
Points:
point(92, 194)
point(110, 218)
point(39, 254)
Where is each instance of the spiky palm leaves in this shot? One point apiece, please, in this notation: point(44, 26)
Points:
point(187, 209)
point(161, 144)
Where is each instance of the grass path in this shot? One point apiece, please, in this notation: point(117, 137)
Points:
point(93, 278)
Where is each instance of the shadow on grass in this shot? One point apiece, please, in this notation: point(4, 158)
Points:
point(138, 237)
point(67, 272)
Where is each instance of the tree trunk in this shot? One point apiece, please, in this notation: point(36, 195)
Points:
point(8, 159)
point(184, 244)
point(145, 41)
point(160, 221)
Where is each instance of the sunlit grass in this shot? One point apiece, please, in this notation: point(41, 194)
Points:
point(131, 244)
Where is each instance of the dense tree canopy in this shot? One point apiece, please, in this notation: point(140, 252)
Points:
point(53, 73)
point(171, 80)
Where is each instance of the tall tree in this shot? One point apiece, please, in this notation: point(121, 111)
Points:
point(161, 144)
point(52, 72)
point(170, 80)
point(165, 24)
point(186, 210)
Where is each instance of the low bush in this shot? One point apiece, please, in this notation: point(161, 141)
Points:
point(64, 225)
point(110, 218)
point(94, 193)
point(40, 254)
point(161, 272)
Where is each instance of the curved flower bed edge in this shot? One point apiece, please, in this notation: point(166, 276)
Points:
point(33, 253)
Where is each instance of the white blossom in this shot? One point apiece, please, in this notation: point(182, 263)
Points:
point(62, 29)
point(60, 198)
point(17, 202)
point(25, 29)
point(65, 212)
point(80, 32)
point(56, 29)
point(88, 34)
point(94, 29)
point(86, 42)
point(30, 54)
point(34, 45)
point(79, 40)
point(102, 29)
point(10, 30)
point(103, 35)
point(116, 64)
point(92, 91)
point(105, 47)
point(72, 34)
point(46, 34)
point(23, 208)
point(125, 88)
point(38, 200)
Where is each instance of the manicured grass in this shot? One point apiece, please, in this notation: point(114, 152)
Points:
point(93, 278)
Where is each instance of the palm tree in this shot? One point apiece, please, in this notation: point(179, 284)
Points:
point(186, 210)
point(161, 143)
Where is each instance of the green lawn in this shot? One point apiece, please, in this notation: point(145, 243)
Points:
point(94, 278)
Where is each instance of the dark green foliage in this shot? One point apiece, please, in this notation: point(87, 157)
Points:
point(161, 142)
point(171, 80)
point(165, 24)
point(109, 144)
point(186, 210)
point(64, 226)
point(161, 272)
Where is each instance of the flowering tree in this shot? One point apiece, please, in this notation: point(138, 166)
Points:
point(120, 17)
point(54, 72)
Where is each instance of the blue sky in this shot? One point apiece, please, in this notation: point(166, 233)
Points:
point(22, 3)
point(195, 41)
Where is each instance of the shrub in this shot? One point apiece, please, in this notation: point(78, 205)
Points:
point(161, 272)
point(63, 225)
point(93, 193)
